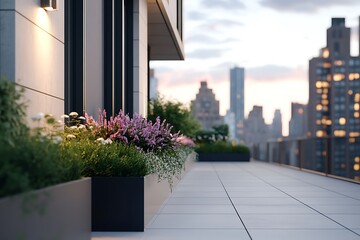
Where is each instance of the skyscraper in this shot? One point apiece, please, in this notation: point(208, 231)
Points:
point(276, 126)
point(255, 130)
point(205, 108)
point(298, 121)
point(334, 103)
point(237, 98)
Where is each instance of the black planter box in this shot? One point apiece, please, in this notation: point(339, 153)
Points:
point(117, 203)
point(224, 157)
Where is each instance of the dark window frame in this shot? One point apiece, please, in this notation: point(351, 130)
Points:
point(74, 52)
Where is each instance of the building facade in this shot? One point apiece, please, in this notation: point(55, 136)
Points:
point(276, 126)
point(334, 100)
point(205, 108)
point(256, 131)
point(229, 119)
point(237, 99)
point(88, 54)
point(298, 122)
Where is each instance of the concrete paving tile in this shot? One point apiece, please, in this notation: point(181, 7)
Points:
point(277, 209)
point(338, 209)
point(199, 209)
point(199, 194)
point(265, 201)
point(348, 220)
point(329, 201)
point(288, 222)
point(176, 234)
point(194, 200)
point(302, 234)
point(218, 221)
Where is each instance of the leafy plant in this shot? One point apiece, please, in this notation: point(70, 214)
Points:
point(176, 114)
point(28, 159)
point(221, 146)
point(12, 111)
point(115, 159)
point(218, 133)
point(33, 163)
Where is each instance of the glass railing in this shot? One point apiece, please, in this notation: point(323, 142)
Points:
point(338, 156)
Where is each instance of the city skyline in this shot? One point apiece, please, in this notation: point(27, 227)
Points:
point(275, 62)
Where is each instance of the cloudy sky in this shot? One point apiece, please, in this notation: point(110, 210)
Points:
point(272, 39)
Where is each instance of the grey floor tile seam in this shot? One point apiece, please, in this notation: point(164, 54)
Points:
point(324, 215)
point(242, 222)
point(311, 183)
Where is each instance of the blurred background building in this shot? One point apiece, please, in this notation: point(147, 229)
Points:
point(205, 107)
point(237, 100)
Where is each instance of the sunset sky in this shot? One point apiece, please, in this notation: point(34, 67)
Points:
point(272, 39)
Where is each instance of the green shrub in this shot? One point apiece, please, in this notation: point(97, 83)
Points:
point(221, 146)
point(175, 113)
point(115, 159)
point(12, 111)
point(33, 163)
point(28, 161)
point(217, 133)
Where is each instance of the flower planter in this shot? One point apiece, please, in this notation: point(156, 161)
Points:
point(224, 157)
point(58, 212)
point(128, 203)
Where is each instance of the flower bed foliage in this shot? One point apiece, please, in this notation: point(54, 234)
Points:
point(175, 113)
point(57, 151)
point(216, 140)
point(124, 146)
point(28, 160)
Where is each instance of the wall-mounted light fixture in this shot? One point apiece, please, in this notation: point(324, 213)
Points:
point(49, 5)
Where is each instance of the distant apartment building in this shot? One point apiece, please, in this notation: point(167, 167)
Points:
point(237, 99)
point(298, 121)
point(87, 54)
point(205, 108)
point(229, 119)
point(334, 103)
point(276, 126)
point(153, 85)
point(256, 131)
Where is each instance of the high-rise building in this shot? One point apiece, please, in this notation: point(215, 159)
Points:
point(229, 119)
point(276, 126)
point(237, 98)
point(205, 108)
point(334, 103)
point(256, 131)
point(153, 85)
point(298, 121)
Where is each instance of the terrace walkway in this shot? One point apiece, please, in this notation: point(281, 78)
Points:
point(256, 201)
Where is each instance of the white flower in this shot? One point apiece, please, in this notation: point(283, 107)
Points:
point(107, 141)
point(100, 140)
point(57, 139)
point(81, 118)
point(38, 116)
point(64, 116)
point(73, 127)
point(70, 136)
point(81, 126)
point(73, 114)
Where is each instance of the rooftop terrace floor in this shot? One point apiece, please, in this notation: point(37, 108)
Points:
point(253, 201)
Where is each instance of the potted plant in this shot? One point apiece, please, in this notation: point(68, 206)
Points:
point(126, 157)
point(41, 196)
point(213, 145)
